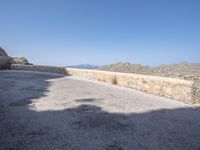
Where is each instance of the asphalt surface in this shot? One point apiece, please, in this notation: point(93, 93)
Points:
point(40, 111)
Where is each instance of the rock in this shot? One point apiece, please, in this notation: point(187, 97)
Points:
point(3, 52)
point(5, 61)
point(20, 60)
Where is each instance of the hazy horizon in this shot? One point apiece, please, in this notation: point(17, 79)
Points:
point(63, 33)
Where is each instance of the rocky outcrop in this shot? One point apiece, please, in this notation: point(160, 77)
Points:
point(20, 60)
point(3, 52)
point(5, 61)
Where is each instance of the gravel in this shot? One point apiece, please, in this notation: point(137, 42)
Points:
point(44, 111)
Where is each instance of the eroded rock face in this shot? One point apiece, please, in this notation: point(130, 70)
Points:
point(4, 60)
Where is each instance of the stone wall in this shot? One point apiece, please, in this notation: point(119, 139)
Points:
point(40, 68)
point(196, 92)
point(182, 90)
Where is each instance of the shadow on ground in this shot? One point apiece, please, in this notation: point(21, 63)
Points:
point(87, 127)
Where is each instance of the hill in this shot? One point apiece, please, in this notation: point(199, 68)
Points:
point(83, 66)
point(181, 70)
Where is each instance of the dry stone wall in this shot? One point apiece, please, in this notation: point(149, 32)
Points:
point(182, 90)
point(50, 69)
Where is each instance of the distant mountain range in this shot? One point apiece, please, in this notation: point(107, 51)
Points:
point(84, 66)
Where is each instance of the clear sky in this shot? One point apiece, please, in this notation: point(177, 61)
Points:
point(98, 32)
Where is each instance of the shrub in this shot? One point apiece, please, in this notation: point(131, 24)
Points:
point(114, 80)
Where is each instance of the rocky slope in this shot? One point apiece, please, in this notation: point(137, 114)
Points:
point(126, 68)
point(182, 70)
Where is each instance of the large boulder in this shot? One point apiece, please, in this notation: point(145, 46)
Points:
point(5, 61)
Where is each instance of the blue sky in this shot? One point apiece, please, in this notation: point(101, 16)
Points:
point(69, 32)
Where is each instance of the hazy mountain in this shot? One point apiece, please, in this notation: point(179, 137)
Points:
point(126, 68)
point(84, 66)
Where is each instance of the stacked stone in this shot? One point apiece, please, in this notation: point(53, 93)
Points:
point(179, 89)
point(39, 68)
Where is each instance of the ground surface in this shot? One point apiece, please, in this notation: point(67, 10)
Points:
point(41, 111)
